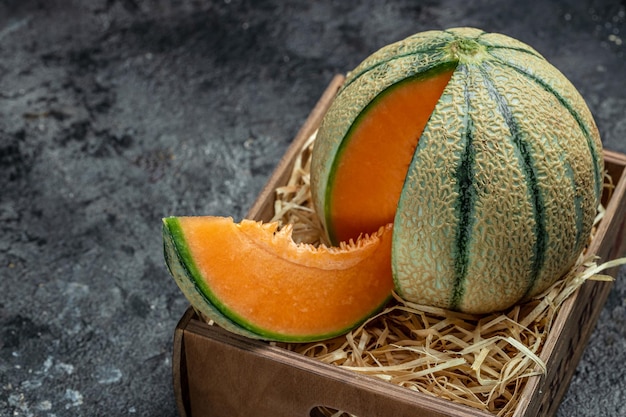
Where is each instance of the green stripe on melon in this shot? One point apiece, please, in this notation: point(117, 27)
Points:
point(503, 185)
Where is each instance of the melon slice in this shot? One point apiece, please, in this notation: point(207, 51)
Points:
point(252, 279)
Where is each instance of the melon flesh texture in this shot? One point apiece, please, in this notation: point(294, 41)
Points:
point(371, 169)
point(255, 278)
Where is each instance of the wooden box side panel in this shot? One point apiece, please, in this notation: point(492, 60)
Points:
point(234, 376)
point(179, 365)
point(579, 314)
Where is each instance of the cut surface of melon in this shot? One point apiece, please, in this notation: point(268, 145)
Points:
point(257, 278)
point(372, 165)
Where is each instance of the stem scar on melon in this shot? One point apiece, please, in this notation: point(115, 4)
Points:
point(254, 280)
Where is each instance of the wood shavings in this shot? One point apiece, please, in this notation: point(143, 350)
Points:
point(482, 361)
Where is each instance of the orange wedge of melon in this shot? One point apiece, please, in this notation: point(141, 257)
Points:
point(252, 279)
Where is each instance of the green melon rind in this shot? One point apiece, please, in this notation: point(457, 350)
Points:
point(561, 151)
point(544, 73)
point(189, 279)
point(532, 64)
point(413, 47)
point(528, 165)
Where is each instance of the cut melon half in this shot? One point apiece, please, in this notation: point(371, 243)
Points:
point(483, 155)
point(253, 279)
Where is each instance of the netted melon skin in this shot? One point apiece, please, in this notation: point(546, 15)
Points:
point(504, 184)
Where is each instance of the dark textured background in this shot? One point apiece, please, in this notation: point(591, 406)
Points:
point(115, 113)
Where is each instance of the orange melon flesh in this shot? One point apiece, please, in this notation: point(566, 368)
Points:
point(371, 168)
point(264, 282)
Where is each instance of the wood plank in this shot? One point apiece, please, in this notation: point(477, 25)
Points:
point(236, 376)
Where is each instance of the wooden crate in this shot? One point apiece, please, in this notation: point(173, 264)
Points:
point(219, 374)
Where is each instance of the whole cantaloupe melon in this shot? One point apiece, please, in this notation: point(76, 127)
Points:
point(483, 155)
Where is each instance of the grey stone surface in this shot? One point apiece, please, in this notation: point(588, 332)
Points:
point(115, 113)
